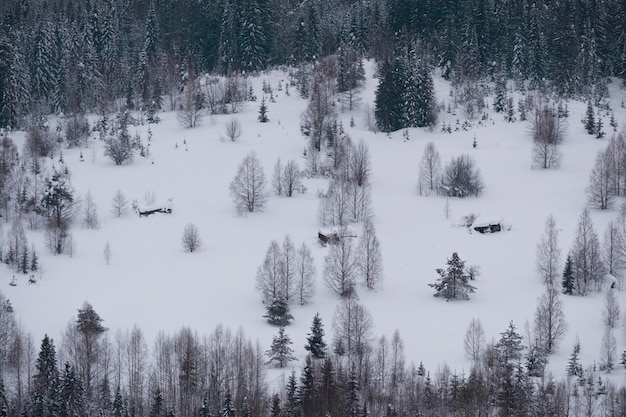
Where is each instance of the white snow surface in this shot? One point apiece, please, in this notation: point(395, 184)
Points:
point(152, 283)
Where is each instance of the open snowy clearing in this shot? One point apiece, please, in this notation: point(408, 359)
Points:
point(153, 283)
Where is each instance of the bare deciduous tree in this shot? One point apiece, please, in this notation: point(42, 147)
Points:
point(291, 178)
point(613, 255)
point(611, 311)
point(119, 204)
point(268, 277)
point(232, 129)
point(601, 188)
point(304, 274)
point(547, 131)
point(462, 178)
point(586, 257)
point(90, 212)
point(277, 178)
point(550, 324)
point(359, 163)
point(340, 268)
point(608, 353)
point(369, 258)
point(191, 107)
point(287, 269)
point(191, 238)
point(474, 341)
point(549, 254)
point(430, 173)
point(106, 253)
point(248, 189)
point(353, 326)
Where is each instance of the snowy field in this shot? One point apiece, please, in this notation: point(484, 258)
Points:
point(152, 283)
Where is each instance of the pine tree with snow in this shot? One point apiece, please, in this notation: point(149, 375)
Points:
point(278, 312)
point(590, 119)
point(280, 352)
point(315, 339)
point(453, 282)
point(568, 277)
point(509, 347)
point(574, 368)
point(263, 112)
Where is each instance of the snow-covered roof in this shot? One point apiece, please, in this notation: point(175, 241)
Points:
point(485, 221)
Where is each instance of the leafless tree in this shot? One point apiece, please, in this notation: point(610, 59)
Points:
point(340, 268)
point(586, 256)
point(360, 207)
point(277, 178)
point(430, 173)
point(191, 106)
point(549, 254)
point(547, 131)
point(360, 163)
point(474, 341)
point(616, 151)
point(304, 274)
point(353, 326)
point(17, 244)
point(39, 142)
point(601, 188)
point(291, 178)
point(462, 178)
point(132, 351)
point(248, 189)
point(268, 277)
point(369, 258)
point(335, 205)
point(288, 269)
point(319, 115)
point(611, 311)
point(90, 212)
point(232, 129)
point(214, 93)
point(613, 254)
point(106, 253)
point(608, 353)
point(191, 238)
point(119, 204)
point(550, 324)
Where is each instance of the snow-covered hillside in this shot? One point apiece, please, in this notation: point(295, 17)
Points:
point(152, 283)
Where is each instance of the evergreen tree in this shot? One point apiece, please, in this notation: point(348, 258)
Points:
point(46, 399)
point(590, 119)
point(352, 394)
point(263, 112)
point(293, 407)
point(253, 38)
point(72, 401)
point(568, 277)
point(228, 409)
point(157, 409)
point(574, 368)
point(229, 35)
point(389, 112)
point(280, 352)
point(315, 339)
point(509, 347)
point(307, 388)
point(118, 404)
point(4, 404)
point(453, 282)
point(278, 312)
point(275, 410)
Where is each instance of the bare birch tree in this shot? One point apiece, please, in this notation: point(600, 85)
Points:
point(474, 342)
point(304, 274)
point(430, 171)
point(549, 254)
point(550, 324)
point(248, 189)
point(340, 268)
point(369, 259)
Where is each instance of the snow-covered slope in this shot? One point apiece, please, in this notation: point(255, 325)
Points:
point(152, 283)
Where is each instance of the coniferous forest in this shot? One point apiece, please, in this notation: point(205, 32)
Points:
point(113, 57)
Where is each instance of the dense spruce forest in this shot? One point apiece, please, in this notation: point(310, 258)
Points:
point(102, 57)
point(98, 55)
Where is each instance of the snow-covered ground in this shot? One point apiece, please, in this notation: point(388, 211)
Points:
point(152, 283)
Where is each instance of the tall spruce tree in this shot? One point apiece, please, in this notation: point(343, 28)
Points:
point(568, 277)
point(280, 352)
point(315, 339)
point(453, 282)
point(46, 399)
